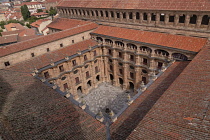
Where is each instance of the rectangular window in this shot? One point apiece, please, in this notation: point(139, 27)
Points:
point(131, 75)
point(46, 75)
point(121, 71)
point(96, 69)
point(32, 55)
point(72, 41)
point(120, 54)
point(144, 61)
point(74, 62)
point(48, 49)
point(85, 57)
point(111, 68)
point(110, 52)
point(87, 74)
point(160, 64)
point(61, 68)
point(77, 80)
point(83, 38)
point(65, 86)
point(6, 63)
point(131, 57)
point(94, 53)
point(61, 45)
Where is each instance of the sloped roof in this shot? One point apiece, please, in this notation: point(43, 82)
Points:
point(182, 5)
point(8, 39)
point(38, 22)
point(64, 23)
point(31, 110)
point(9, 26)
point(183, 110)
point(174, 41)
point(45, 39)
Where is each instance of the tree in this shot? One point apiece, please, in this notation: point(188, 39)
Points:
point(52, 12)
point(25, 12)
point(39, 10)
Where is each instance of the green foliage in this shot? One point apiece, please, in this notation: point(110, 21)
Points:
point(52, 12)
point(32, 19)
point(2, 23)
point(47, 11)
point(25, 12)
point(28, 25)
point(0, 32)
point(15, 21)
point(39, 10)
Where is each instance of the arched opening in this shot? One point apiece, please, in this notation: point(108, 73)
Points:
point(92, 13)
point(80, 13)
point(145, 16)
point(79, 90)
point(96, 13)
point(144, 79)
point(161, 52)
point(124, 15)
point(130, 15)
point(102, 14)
point(131, 46)
point(179, 56)
point(98, 78)
point(121, 81)
point(162, 17)
point(193, 19)
point(111, 78)
point(137, 15)
point(83, 12)
point(118, 43)
point(76, 12)
point(153, 17)
point(205, 20)
point(112, 14)
point(72, 11)
point(88, 13)
point(106, 13)
point(108, 41)
point(99, 39)
point(144, 48)
point(89, 83)
point(182, 19)
point(131, 86)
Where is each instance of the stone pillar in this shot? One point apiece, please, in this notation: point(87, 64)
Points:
point(92, 74)
point(115, 15)
point(141, 17)
point(148, 18)
point(125, 76)
point(198, 21)
point(134, 16)
point(115, 72)
point(105, 60)
point(121, 16)
point(157, 20)
point(101, 67)
point(187, 20)
point(166, 20)
point(176, 20)
point(137, 78)
point(208, 25)
point(127, 16)
point(152, 64)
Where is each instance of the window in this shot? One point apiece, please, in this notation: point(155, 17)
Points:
point(72, 41)
point(120, 64)
point(63, 78)
point(110, 60)
point(75, 72)
point(86, 66)
point(87, 74)
point(95, 61)
point(74, 62)
point(131, 75)
point(32, 55)
point(144, 71)
point(48, 49)
point(46, 75)
point(120, 54)
point(131, 57)
point(111, 68)
point(131, 67)
point(83, 38)
point(85, 57)
point(144, 61)
point(61, 45)
point(65, 86)
point(61, 68)
point(77, 80)
point(160, 64)
point(6, 63)
point(110, 52)
point(121, 71)
point(94, 52)
point(96, 69)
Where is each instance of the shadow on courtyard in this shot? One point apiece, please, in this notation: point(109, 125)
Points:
point(129, 124)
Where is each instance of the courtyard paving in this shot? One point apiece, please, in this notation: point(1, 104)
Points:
point(106, 96)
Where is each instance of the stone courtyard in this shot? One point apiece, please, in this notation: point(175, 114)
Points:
point(106, 96)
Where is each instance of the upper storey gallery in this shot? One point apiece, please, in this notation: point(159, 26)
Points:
point(191, 15)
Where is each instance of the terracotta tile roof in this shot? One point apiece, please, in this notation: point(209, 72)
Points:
point(183, 5)
point(24, 38)
point(38, 22)
point(134, 114)
point(64, 23)
point(31, 110)
point(39, 14)
point(28, 3)
point(11, 32)
point(8, 39)
point(183, 110)
point(27, 32)
point(174, 41)
point(45, 39)
point(9, 26)
point(54, 56)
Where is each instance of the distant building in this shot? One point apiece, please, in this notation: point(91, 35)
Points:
point(41, 26)
point(40, 14)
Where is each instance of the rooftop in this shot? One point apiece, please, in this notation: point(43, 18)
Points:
point(173, 41)
point(14, 26)
point(177, 5)
point(38, 22)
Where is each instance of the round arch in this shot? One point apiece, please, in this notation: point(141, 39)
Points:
point(131, 86)
point(131, 46)
point(79, 90)
point(163, 52)
point(145, 48)
point(179, 56)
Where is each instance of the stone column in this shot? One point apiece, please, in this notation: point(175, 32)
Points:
point(176, 20)
point(148, 18)
point(115, 15)
point(125, 76)
point(121, 16)
point(166, 20)
point(198, 21)
point(157, 18)
point(137, 78)
point(134, 16)
point(115, 72)
point(187, 20)
point(141, 17)
point(104, 13)
point(127, 16)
